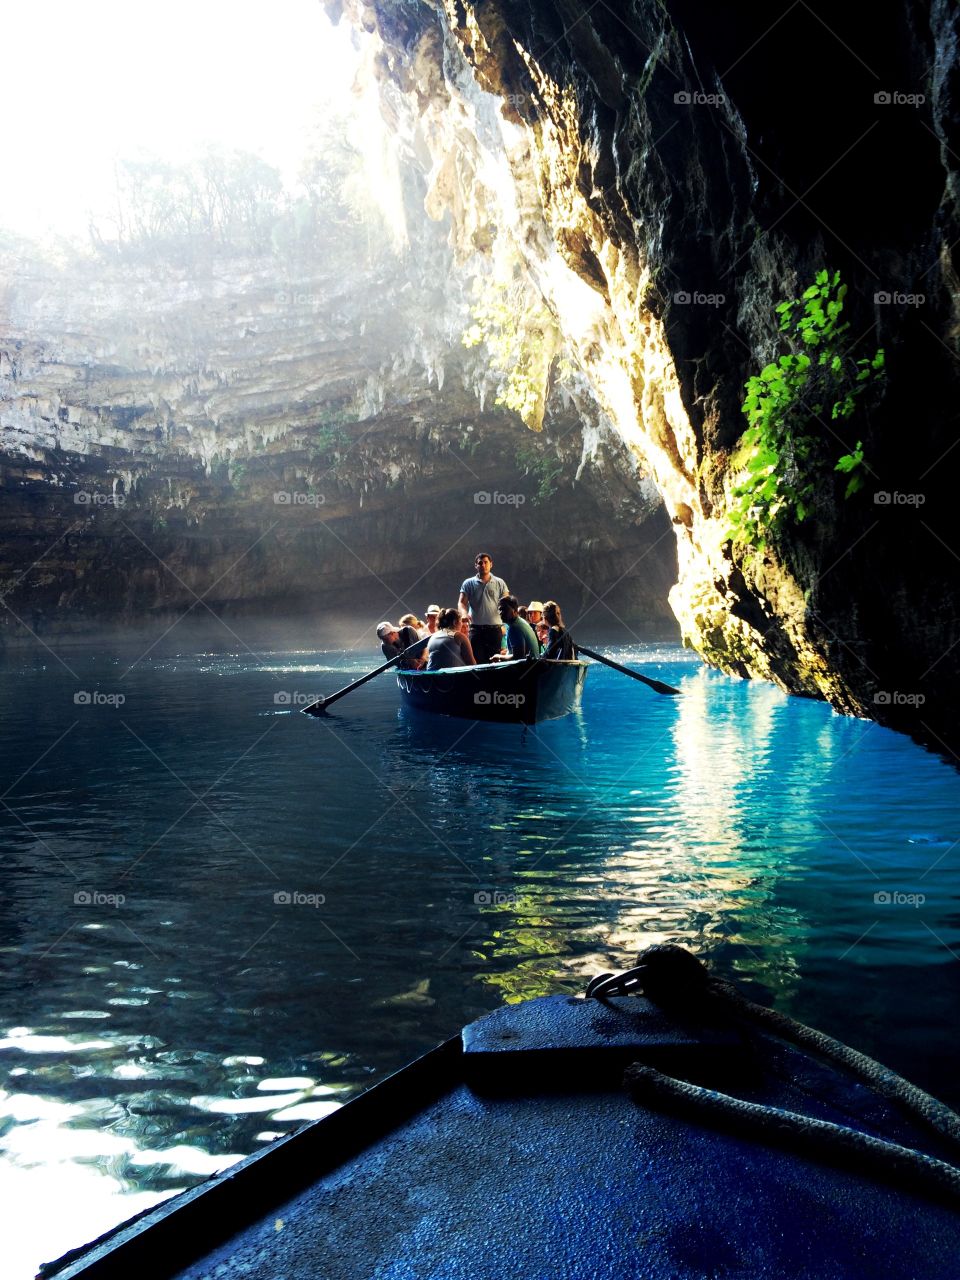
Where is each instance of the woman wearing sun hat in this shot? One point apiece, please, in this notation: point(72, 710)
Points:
point(535, 618)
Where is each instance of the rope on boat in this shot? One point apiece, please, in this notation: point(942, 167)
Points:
point(916, 1101)
point(816, 1136)
point(674, 978)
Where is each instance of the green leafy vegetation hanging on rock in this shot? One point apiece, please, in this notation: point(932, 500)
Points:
point(787, 452)
point(521, 337)
point(545, 468)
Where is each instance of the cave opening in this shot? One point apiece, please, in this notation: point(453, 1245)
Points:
point(249, 356)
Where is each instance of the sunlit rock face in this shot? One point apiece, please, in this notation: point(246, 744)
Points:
point(291, 435)
point(670, 172)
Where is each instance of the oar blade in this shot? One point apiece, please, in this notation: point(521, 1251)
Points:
point(660, 687)
point(657, 685)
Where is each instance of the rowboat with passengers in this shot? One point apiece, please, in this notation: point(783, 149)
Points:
point(524, 691)
point(518, 691)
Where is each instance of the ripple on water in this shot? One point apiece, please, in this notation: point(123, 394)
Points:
point(142, 1045)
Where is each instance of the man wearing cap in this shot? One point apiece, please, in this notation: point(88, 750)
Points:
point(431, 618)
point(480, 596)
point(394, 640)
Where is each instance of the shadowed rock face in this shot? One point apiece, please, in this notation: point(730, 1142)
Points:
point(672, 172)
point(291, 437)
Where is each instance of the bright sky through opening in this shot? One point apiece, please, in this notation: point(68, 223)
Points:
point(85, 82)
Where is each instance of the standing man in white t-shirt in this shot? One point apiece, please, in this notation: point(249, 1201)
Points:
point(481, 596)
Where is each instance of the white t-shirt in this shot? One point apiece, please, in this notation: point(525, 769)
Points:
point(483, 598)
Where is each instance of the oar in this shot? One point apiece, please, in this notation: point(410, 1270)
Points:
point(658, 685)
point(317, 708)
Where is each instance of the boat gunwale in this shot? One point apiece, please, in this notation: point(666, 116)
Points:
point(511, 664)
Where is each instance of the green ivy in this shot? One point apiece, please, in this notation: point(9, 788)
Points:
point(545, 469)
point(782, 453)
point(330, 435)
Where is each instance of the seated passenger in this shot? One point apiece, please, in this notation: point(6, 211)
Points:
point(534, 613)
point(521, 638)
point(429, 627)
point(559, 645)
point(411, 620)
point(393, 640)
point(449, 647)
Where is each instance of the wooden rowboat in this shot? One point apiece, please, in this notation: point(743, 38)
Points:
point(522, 692)
point(524, 1148)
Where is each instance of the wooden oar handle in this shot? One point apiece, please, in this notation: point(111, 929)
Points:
point(317, 708)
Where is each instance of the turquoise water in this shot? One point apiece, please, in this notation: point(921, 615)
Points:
point(221, 918)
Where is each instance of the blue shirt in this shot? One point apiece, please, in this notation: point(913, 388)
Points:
point(483, 598)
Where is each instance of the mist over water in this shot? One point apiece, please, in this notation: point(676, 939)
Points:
point(222, 918)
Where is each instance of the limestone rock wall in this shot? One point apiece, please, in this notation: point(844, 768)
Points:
point(289, 436)
point(670, 172)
